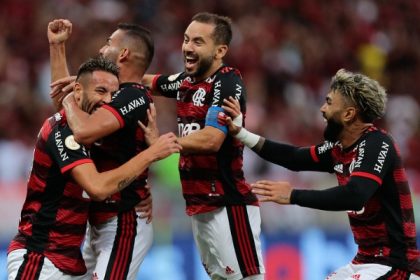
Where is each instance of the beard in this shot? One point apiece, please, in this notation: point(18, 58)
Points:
point(202, 67)
point(87, 105)
point(332, 130)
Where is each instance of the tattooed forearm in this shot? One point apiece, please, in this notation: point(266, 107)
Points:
point(125, 182)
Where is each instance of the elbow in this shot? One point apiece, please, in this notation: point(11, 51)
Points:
point(96, 191)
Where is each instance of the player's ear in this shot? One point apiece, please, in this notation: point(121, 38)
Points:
point(221, 51)
point(350, 114)
point(78, 90)
point(124, 53)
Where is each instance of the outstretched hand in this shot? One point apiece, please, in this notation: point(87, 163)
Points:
point(278, 192)
point(234, 117)
point(59, 30)
point(151, 131)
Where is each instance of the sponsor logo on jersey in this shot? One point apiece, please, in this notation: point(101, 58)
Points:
point(381, 157)
point(71, 143)
point(238, 91)
point(171, 86)
point(59, 145)
point(216, 96)
point(325, 147)
point(198, 97)
point(360, 154)
point(338, 168)
point(187, 128)
point(132, 105)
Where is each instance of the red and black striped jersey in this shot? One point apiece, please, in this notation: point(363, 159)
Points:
point(384, 229)
point(55, 212)
point(212, 180)
point(129, 105)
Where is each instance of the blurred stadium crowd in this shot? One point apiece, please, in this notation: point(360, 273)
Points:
point(287, 50)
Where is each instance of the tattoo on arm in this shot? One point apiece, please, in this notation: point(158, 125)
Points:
point(125, 182)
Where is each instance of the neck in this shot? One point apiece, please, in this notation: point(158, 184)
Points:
point(215, 66)
point(130, 75)
point(353, 132)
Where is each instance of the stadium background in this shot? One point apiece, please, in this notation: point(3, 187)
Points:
point(286, 50)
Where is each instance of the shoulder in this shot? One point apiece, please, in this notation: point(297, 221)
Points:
point(375, 134)
point(227, 71)
point(132, 91)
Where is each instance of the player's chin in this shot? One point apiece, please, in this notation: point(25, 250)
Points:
point(94, 108)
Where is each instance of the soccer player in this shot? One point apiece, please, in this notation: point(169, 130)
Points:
point(117, 240)
point(64, 180)
point(225, 213)
point(372, 184)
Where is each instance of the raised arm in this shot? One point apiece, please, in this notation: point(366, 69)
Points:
point(58, 31)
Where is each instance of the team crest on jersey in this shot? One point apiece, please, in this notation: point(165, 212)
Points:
point(199, 97)
point(71, 143)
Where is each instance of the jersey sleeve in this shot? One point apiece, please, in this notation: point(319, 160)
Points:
point(65, 151)
point(296, 158)
point(321, 155)
point(129, 105)
point(228, 82)
point(375, 156)
point(168, 85)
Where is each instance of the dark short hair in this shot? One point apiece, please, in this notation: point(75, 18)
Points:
point(97, 64)
point(144, 37)
point(222, 26)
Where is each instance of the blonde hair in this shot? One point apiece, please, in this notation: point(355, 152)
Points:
point(365, 93)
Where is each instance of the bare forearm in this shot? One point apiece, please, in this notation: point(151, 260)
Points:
point(58, 64)
point(58, 61)
point(113, 181)
point(202, 141)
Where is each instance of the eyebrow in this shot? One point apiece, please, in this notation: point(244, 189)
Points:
point(198, 38)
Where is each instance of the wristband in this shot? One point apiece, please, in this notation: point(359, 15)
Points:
point(249, 139)
point(238, 120)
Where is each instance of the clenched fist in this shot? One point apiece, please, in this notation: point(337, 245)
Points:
point(59, 30)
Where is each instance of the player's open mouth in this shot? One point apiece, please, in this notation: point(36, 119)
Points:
point(190, 61)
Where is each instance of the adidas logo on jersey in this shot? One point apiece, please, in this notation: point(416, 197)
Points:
point(338, 168)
